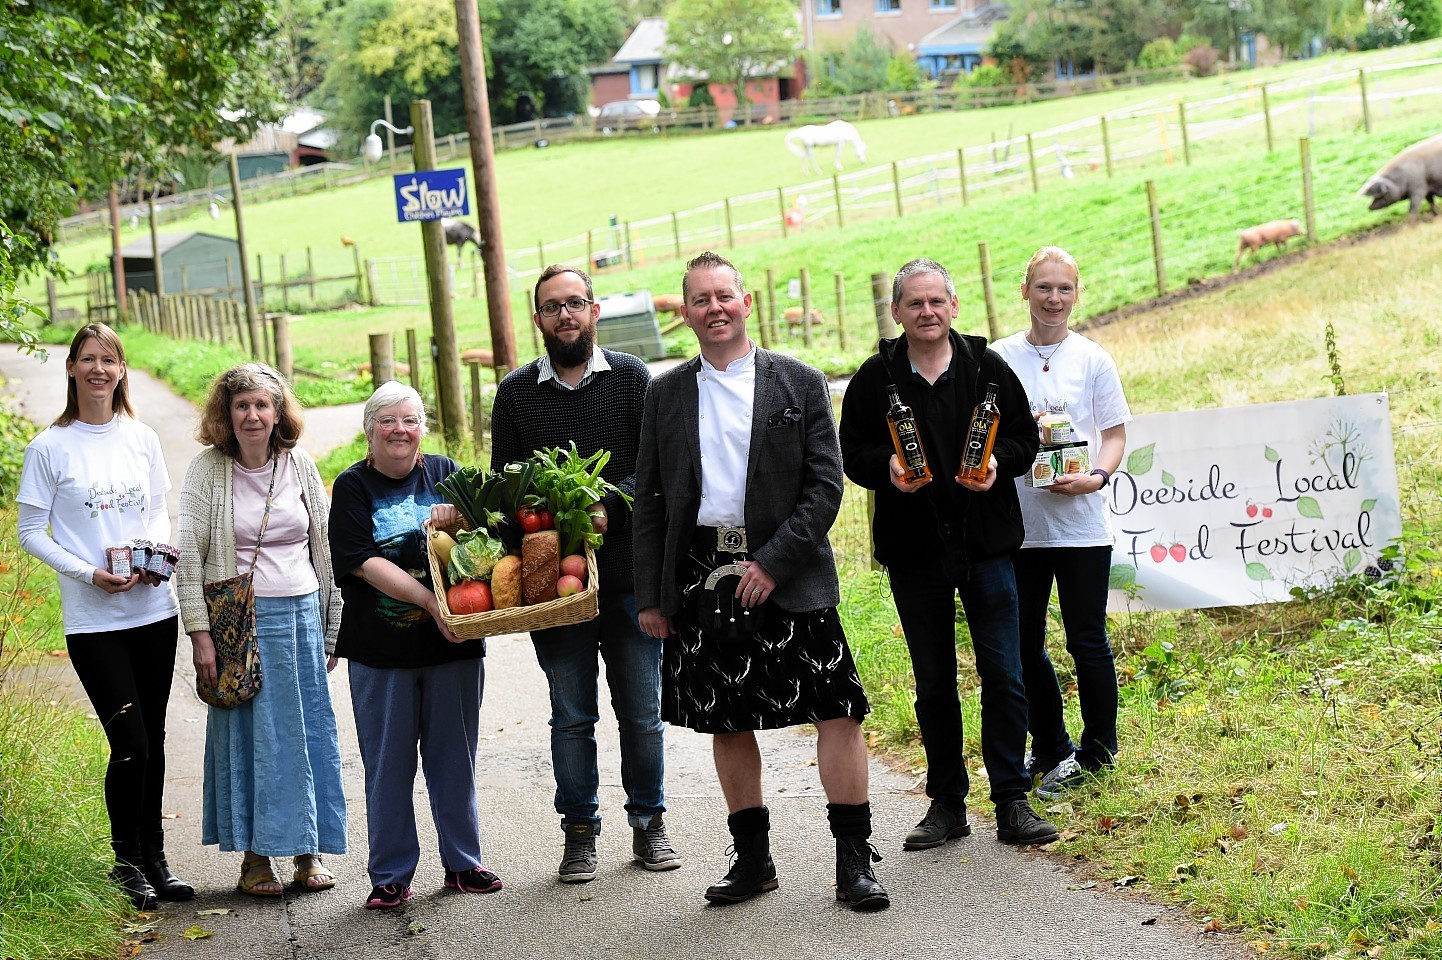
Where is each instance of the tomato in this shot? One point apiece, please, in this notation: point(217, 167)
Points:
point(529, 520)
point(548, 519)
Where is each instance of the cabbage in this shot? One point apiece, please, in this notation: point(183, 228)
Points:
point(476, 552)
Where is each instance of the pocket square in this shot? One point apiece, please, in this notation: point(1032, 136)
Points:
point(784, 417)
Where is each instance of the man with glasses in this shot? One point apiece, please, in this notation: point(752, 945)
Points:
point(577, 391)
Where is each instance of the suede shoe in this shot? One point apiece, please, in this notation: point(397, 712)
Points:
point(578, 863)
point(940, 824)
point(1019, 824)
point(856, 883)
point(651, 848)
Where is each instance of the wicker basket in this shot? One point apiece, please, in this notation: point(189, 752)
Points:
point(577, 608)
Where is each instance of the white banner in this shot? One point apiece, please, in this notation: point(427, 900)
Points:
point(1238, 505)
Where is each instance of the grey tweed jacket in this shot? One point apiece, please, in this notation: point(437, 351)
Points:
point(793, 483)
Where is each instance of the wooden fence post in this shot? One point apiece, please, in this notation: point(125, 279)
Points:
point(988, 295)
point(284, 286)
point(1186, 140)
point(781, 209)
point(1031, 159)
point(768, 322)
point(1156, 222)
point(360, 277)
point(310, 272)
point(836, 193)
point(806, 306)
point(413, 359)
point(676, 233)
point(896, 186)
point(478, 427)
point(628, 248)
point(1267, 116)
point(841, 311)
point(1308, 202)
point(52, 300)
point(1106, 147)
point(730, 240)
point(284, 358)
point(961, 174)
point(1366, 113)
point(881, 305)
point(540, 255)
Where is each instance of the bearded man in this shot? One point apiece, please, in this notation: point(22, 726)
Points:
point(580, 392)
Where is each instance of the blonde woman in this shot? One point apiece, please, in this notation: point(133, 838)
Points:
point(1068, 531)
point(272, 764)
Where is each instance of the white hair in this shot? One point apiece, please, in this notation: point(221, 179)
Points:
point(388, 395)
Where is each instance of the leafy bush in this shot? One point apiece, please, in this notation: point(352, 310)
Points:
point(1424, 18)
point(701, 96)
point(1158, 55)
point(1188, 42)
point(15, 433)
point(1202, 59)
point(903, 73)
point(988, 76)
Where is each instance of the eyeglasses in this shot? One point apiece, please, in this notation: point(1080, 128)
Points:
point(390, 423)
point(573, 305)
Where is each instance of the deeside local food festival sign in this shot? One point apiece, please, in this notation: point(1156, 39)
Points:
point(1238, 505)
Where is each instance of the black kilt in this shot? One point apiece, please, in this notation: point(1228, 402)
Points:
point(798, 669)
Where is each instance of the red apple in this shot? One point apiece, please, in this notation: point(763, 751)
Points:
point(574, 566)
point(569, 585)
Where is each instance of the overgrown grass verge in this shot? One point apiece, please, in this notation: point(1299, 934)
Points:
point(54, 855)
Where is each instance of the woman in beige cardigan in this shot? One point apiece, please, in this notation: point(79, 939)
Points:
point(272, 764)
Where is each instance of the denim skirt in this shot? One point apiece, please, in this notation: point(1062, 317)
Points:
point(272, 764)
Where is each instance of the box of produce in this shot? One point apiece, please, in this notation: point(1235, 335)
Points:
point(524, 555)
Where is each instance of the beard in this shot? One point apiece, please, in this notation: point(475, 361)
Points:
point(565, 355)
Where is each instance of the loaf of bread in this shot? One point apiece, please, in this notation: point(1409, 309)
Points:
point(540, 565)
point(506, 582)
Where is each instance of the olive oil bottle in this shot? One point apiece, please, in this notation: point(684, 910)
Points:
point(980, 438)
point(907, 438)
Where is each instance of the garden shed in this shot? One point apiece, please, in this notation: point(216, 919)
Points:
point(197, 262)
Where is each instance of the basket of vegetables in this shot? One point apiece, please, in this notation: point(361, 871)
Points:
point(525, 556)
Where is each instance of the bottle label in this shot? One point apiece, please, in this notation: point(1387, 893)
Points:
point(910, 445)
point(975, 442)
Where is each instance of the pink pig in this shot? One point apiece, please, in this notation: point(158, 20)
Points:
point(1255, 238)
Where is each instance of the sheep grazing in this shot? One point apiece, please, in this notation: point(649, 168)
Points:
point(1413, 175)
point(1255, 238)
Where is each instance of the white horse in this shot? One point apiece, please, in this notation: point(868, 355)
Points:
point(803, 142)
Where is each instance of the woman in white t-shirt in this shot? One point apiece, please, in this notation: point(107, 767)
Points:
point(1068, 530)
point(96, 479)
point(272, 765)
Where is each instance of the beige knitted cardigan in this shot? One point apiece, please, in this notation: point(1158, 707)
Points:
point(207, 537)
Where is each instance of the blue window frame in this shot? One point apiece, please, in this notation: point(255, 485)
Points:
point(943, 4)
point(828, 8)
point(888, 6)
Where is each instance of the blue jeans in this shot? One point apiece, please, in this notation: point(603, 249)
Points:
point(925, 596)
point(1081, 584)
point(567, 655)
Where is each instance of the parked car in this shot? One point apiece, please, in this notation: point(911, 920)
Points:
point(627, 115)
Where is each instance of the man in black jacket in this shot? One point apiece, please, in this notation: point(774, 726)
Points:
point(944, 536)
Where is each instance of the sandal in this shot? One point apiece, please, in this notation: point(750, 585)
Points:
point(257, 879)
point(311, 873)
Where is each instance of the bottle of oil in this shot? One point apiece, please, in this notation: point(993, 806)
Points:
point(907, 438)
point(980, 438)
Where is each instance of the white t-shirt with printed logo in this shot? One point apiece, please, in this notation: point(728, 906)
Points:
point(102, 486)
point(1083, 381)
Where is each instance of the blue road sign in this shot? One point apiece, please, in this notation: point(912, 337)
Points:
point(431, 194)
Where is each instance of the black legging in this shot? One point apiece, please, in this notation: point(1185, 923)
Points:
point(127, 674)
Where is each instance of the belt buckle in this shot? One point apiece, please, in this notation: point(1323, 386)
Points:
point(730, 539)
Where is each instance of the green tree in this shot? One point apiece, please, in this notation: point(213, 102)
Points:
point(297, 67)
point(94, 92)
point(903, 73)
point(1423, 17)
point(542, 48)
point(732, 41)
point(1158, 55)
point(861, 67)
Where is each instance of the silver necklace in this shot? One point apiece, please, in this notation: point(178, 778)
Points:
point(1045, 357)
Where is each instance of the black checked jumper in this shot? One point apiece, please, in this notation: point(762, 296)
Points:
point(603, 414)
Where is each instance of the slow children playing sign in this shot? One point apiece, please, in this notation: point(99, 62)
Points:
point(1239, 505)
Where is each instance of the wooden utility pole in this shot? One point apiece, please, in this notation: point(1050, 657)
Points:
point(118, 262)
point(450, 397)
point(252, 316)
point(483, 164)
point(155, 252)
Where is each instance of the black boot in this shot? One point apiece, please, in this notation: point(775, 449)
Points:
point(753, 872)
point(856, 883)
point(127, 875)
point(152, 863)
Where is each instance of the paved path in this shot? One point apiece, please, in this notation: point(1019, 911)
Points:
point(974, 898)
